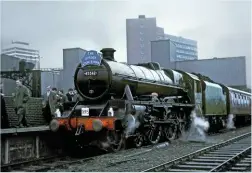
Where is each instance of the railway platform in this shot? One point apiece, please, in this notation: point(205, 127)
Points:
point(23, 144)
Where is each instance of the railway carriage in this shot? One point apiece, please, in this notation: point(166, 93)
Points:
point(239, 105)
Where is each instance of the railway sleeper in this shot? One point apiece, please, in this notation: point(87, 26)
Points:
point(208, 160)
point(205, 157)
point(224, 152)
point(243, 164)
point(182, 170)
point(239, 169)
point(202, 163)
point(194, 167)
point(220, 155)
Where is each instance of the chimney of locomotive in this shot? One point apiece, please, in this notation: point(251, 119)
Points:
point(108, 53)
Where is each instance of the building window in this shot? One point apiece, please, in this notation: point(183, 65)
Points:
point(141, 33)
point(141, 45)
point(142, 53)
point(141, 39)
point(141, 26)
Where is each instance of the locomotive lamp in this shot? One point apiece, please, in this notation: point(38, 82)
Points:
point(54, 125)
point(110, 112)
point(97, 125)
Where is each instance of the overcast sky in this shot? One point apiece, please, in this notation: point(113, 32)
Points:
point(222, 28)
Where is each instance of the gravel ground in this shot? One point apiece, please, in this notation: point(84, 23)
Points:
point(135, 160)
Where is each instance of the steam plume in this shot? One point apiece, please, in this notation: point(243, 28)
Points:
point(230, 122)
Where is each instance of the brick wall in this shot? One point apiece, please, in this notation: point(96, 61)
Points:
point(33, 115)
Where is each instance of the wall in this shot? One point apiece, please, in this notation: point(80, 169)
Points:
point(34, 112)
point(229, 71)
point(162, 51)
point(9, 63)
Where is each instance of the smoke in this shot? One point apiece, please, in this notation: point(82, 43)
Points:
point(230, 122)
point(197, 130)
point(131, 124)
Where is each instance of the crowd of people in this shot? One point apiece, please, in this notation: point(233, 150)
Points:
point(54, 101)
point(53, 105)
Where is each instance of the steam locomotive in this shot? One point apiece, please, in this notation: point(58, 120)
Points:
point(135, 104)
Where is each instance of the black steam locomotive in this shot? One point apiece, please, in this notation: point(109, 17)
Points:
point(136, 104)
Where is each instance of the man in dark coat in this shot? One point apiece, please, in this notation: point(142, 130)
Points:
point(46, 96)
point(54, 100)
point(21, 97)
point(70, 95)
point(46, 107)
point(4, 115)
point(63, 100)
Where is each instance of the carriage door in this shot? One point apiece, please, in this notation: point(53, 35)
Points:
point(198, 97)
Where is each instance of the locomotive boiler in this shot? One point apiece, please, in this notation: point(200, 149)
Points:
point(100, 82)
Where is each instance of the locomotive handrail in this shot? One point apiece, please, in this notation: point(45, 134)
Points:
point(126, 76)
point(104, 108)
point(159, 83)
point(145, 80)
point(71, 114)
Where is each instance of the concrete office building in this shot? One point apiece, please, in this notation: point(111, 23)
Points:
point(23, 51)
point(71, 58)
point(163, 52)
point(186, 49)
point(141, 31)
point(229, 71)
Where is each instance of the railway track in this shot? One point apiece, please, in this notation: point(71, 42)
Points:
point(44, 164)
point(230, 155)
point(53, 162)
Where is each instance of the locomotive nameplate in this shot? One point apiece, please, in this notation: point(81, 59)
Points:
point(84, 111)
point(90, 73)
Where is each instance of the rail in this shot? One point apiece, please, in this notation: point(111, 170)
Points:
point(43, 164)
point(206, 160)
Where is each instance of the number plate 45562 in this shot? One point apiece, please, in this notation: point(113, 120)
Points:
point(90, 73)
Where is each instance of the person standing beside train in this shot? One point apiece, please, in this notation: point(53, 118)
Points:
point(21, 97)
point(4, 116)
point(63, 99)
point(70, 95)
point(46, 107)
point(54, 100)
point(46, 96)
